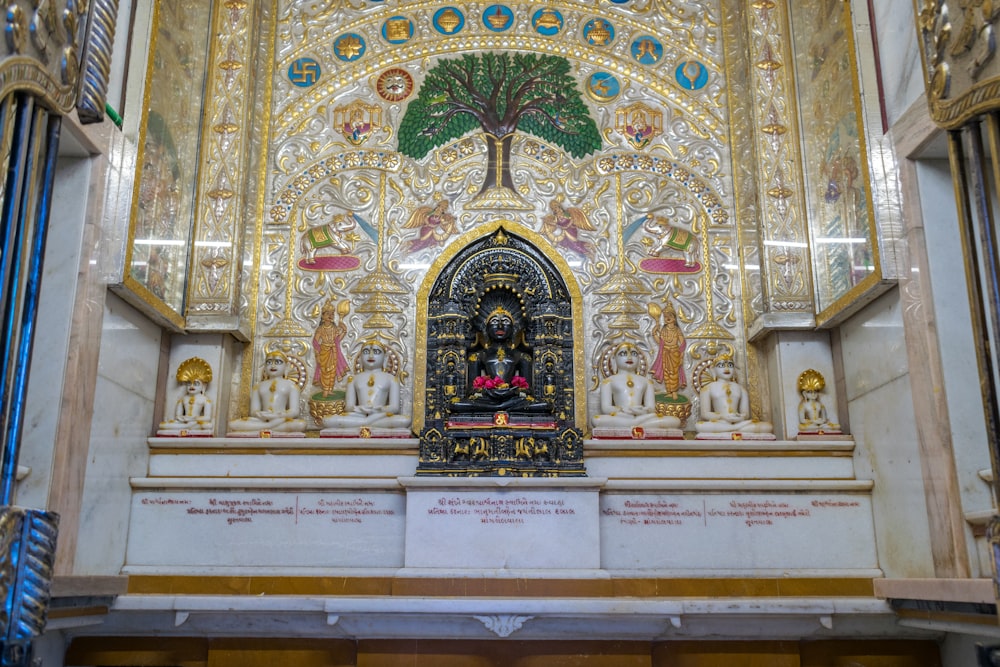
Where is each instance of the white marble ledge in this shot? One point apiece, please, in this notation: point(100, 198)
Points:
point(535, 606)
point(978, 591)
point(986, 475)
point(755, 447)
point(283, 443)
point(729, 485)
point(265, 483)
point(980, 518)
point(487, 483)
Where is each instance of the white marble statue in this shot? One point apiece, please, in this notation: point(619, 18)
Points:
point(274, 401)
point(193, 413)
point(725, 405)
point(628, 399)
point(372, 398)
point(813, 419)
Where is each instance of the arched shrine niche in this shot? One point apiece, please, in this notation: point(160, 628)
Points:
point(498, 394)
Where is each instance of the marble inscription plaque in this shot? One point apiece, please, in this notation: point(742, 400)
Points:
point(223, 528)
point(737, 531)
point(502, 529)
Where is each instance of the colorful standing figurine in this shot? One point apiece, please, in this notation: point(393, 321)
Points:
point(331, 365)
point(813, 419)
point(668, 367)
point(193, 415)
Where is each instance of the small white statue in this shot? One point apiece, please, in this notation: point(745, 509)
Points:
point(628, 401)
point(193, 414)
point(813, 418)
point(274, 402)
point(372, 399)
point(725, 406)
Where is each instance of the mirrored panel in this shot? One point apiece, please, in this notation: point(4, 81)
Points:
point(164, 198)
point(843, 244)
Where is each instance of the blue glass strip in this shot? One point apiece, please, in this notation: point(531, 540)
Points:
point(29, 313)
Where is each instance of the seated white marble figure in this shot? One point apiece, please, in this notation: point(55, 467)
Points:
point(274, 401)
point(627, 398)
point(193, 413)
point(725, 405)
point(813, 418)
point(372, 395)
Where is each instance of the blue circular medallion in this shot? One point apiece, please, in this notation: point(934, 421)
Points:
point(599, 32)
point(397, 30)
point(448, 20)
point(603, 87)
point(304, 72)
point(691, 74)
point(349, 47)
point(547, 21)
point(498, 18)
point(647, 50)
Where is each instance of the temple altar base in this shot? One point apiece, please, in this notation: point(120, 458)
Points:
point(670, 508)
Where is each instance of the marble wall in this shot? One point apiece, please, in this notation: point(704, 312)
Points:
point(124, 406)
point(52, 337)
point(951, 310)
point(880, 405)
point(899, 56)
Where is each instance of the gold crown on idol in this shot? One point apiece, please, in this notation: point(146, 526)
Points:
point(276, 354)
point(373, 340)
point(811, 380)
point(724, 356)
point(194, 369)
point(500, 279)
point(499, 310)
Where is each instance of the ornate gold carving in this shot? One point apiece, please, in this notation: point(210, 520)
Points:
point(212, 299)
point(960, 68)
point(41, 54)
point(778, 160)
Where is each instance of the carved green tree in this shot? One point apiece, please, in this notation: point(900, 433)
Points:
point(499, 93)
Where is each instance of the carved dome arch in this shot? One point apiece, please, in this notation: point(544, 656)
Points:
point(563, 274)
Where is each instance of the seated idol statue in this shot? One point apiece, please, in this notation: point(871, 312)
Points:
point(499, 360)
point(628, 400)
point(813, 419)
point(193, 414)
point(372, 397)
point(725, 406)
point(274, 402)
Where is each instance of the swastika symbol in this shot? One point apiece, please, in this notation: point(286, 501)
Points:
point(304, 72)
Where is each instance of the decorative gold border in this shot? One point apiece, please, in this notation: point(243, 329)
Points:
point(772, 58)
point(230, 56)
point(743, 587)
point(576, 297)
point(699, 109)
point(250, 280)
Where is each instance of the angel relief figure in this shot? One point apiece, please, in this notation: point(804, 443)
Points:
point(562, 226)
point(435, 224)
